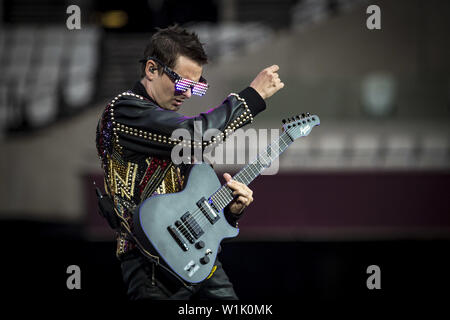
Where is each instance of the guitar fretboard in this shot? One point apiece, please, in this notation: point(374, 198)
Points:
point(222, 197)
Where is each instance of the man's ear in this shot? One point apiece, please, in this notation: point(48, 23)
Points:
point(151, 70)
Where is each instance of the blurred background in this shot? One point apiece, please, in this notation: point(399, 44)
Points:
point(370, 186)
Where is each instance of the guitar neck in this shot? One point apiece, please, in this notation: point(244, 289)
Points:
point(222, 197)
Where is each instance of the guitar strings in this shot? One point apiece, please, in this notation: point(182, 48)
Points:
point(197, 215)
point(221, 198)
point(202, 220)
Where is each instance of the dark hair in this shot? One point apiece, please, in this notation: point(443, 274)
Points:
point(169, 43)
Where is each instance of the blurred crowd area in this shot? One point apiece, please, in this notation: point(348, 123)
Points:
point(383, 96)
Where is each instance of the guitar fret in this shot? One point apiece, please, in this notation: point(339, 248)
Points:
point(224, 195)
point(223, 200)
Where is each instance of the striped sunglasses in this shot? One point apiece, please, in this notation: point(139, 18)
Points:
point(198, 88)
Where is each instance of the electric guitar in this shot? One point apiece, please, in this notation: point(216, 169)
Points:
point(185, 228)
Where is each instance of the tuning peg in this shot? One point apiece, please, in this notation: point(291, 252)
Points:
point(297, 117)
point(307, 114)
point(303, 115)
point(284, 121)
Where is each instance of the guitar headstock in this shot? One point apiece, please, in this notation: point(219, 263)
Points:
point(300, 125)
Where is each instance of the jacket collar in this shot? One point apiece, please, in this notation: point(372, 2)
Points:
point(139, 89)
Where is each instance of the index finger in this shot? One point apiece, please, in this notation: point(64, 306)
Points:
point(235, 185)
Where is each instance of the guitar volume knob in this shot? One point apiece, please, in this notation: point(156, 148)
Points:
point(200, 245)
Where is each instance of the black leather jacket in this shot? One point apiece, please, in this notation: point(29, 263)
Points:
point(134, 144)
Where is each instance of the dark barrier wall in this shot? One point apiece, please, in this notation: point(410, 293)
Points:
point(326, 205)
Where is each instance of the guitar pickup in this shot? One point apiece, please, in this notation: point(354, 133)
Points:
point(178, 239)
point(208, 211)
point(192, 225)
point(184, 231)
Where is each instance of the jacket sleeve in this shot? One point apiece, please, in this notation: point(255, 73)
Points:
point(141, 127)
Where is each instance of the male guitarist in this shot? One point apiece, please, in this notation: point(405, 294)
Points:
point(134, 144)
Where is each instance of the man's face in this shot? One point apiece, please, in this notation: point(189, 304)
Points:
point(163, 88)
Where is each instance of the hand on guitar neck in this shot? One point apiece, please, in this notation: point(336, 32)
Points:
point(242, 193)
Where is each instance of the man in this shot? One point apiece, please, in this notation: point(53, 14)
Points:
point(134, 144)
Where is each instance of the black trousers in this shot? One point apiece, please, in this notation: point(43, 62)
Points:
point(138, 271)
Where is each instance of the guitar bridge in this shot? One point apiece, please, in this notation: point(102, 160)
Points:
point(178, 239)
